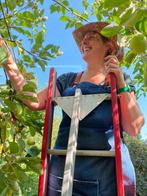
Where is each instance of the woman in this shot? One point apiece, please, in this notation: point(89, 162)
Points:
point(93, 175)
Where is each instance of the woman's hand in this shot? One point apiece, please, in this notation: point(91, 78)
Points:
point(9, 60)
point(112, 66)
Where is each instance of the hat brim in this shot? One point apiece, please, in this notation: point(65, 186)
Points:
point(79, 34)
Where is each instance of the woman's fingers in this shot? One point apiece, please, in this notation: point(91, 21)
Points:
point(112, 65)
point(111, 57)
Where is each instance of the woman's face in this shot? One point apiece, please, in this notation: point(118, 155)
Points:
point(92, 46)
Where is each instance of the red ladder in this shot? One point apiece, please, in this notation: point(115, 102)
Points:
point(47, 132)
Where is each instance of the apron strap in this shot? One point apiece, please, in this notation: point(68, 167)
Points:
point(77, 78)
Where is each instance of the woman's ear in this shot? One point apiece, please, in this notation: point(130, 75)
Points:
point(108, 52)
point(110, 49)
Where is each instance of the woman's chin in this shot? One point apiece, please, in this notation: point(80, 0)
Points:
point(86, 57)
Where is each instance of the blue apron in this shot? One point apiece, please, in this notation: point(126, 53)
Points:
point(93, 176)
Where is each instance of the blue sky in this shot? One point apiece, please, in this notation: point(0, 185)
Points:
point(71, 59)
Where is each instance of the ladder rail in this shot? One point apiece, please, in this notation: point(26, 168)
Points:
point(46, 140)
point(116, 127)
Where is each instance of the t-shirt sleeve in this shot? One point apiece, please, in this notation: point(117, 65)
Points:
point(64, 81)
point(129, 82)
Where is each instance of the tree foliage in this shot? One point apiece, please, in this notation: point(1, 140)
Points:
point(22, 26)
point(128, 19)
point(138, 153)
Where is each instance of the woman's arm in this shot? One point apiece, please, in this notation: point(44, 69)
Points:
point(131, 116)
point(18, 82)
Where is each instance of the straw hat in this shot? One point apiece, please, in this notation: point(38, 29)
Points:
point(79, 34)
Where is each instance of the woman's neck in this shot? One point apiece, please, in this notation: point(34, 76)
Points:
point(95, 69)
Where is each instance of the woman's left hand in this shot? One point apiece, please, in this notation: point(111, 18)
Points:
point(112, 66)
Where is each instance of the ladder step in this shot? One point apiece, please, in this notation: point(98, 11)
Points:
point(95, 153)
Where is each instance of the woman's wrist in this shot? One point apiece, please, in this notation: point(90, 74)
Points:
point(120, 83)
point(126, 88)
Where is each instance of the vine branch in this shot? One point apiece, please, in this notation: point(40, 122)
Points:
point(72, 12)
point(7, 26)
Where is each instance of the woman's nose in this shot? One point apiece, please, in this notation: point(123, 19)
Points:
point(85, 40)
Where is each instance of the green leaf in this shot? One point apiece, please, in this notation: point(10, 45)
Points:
point(31, 141)
point(3, 135)
point(85, 4)
point(14, 107)
point(44, 54)
point(36, 167)
point(113, 3)
point(71, 23)
point(4, 132)
point(30, 86)
point(32, 131)
point(27, 58)
point(12, 44)
point(64, 18)
point(28, 15)
point(129, 57)
point(41, 1)
point(138, 44)
point(23, 31)
point(8, 129)
point(126, 15)
point(145, 75)
point(21, 144)
point(14, 185)
point(47, 47)
point(11, 4)
point(20, 3)
point(42, 64)
point(137, 15)
point(2, 184)
point(110, 30)
point(24, 96)
point(3, 53)
point(53, 8)
point(4, 191)
point(14, 148)
point(39, 38)
point(28, 159)
point(65, 2)
point(84, 15)
point(27, 23)
point(33, 151)
point(20, 50)
point(20, 173)
point(141, 26)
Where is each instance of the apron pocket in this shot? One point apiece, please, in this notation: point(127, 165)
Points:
point(80, 187)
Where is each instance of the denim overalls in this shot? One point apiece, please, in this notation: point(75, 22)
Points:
point(93, 176)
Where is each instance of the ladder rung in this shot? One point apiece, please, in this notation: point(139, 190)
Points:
point(95, 153)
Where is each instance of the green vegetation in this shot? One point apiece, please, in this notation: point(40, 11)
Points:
point(22, 26)
point(138, 153)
